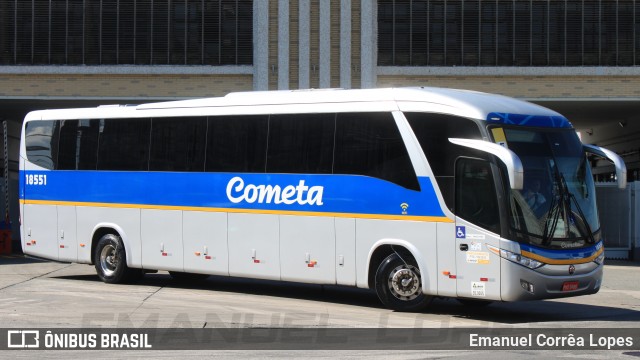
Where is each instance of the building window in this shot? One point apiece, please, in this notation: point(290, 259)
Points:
point(508, 33)
point(111, 32)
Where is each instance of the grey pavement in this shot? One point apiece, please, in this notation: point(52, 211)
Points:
point(56, 295)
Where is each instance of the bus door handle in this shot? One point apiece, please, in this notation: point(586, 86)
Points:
point(464, 247)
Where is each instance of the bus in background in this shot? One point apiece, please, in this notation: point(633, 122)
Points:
point(412, 192)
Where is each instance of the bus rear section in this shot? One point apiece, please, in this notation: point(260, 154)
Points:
point(326, 206)
point(39, 222)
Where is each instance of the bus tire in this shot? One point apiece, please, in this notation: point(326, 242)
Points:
point(399, 284)
point(110, 260)
point(188, 277)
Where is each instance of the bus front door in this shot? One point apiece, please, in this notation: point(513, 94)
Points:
point(477, 225)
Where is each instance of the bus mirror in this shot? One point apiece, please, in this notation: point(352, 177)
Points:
point(621, 168)
point(509, 158)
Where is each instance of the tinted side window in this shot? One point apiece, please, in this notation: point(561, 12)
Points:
point(78, 145)
point(301, 143)
point(178, 144)
point(433, 132)
point(41, 140)
point(370, 144)
point(124, 144)
point(237, 143)
point(476, 199)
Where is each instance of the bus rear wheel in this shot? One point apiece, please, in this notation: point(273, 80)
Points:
point(110, 259)
point(399, 284)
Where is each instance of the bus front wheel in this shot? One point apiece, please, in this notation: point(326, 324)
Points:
point(110, 260)
point(399, 284)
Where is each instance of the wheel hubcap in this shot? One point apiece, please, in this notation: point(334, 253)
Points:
point(108, 260)
point(404, 282)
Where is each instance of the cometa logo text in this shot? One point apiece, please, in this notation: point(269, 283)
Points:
point(238, 192)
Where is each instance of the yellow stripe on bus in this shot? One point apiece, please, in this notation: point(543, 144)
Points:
point(547, 260)
point(247, 211)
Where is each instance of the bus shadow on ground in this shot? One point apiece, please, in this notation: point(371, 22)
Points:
point(498, 312)
point(19, 259)
point(281, 289)
point(539, 311)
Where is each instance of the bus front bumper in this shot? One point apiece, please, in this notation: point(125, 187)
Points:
point(519, 283)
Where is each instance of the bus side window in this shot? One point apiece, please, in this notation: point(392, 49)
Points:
point(433, 132)
point(78, 145)
point(177, 144)
point(237, 143)
point(301, 143)
point(124, 144)
point(41, 140)
point(370, 144)
point(476, 199)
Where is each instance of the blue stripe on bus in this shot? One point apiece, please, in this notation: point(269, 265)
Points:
point(528, 120)
point(339, 193)
point(562, 254)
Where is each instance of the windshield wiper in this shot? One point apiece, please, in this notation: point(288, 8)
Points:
point(589, 234)
point(558, 204)
point(561, 204)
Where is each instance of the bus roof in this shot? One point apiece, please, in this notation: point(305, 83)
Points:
point(473, 101)
point(472, 104)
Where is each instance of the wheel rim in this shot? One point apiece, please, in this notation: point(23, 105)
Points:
point(108, 260)
point(404, 282)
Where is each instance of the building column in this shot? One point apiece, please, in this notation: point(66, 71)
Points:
point(345, 44)
point(261, 45)
point(325, 44)
point(283, 44)
point(368, 43)
point(304, 40)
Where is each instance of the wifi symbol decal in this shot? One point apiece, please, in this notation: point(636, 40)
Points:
point(404, 207)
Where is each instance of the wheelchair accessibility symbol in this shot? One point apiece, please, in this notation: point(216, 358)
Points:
point(460, 232)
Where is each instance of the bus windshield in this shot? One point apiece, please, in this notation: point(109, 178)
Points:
point(556, 207)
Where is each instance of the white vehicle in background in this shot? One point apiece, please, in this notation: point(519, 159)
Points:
point(413, 192)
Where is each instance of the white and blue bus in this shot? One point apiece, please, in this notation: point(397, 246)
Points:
point(413, 192)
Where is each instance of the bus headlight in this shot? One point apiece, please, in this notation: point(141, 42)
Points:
point(600, 259)
point(519, 259)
